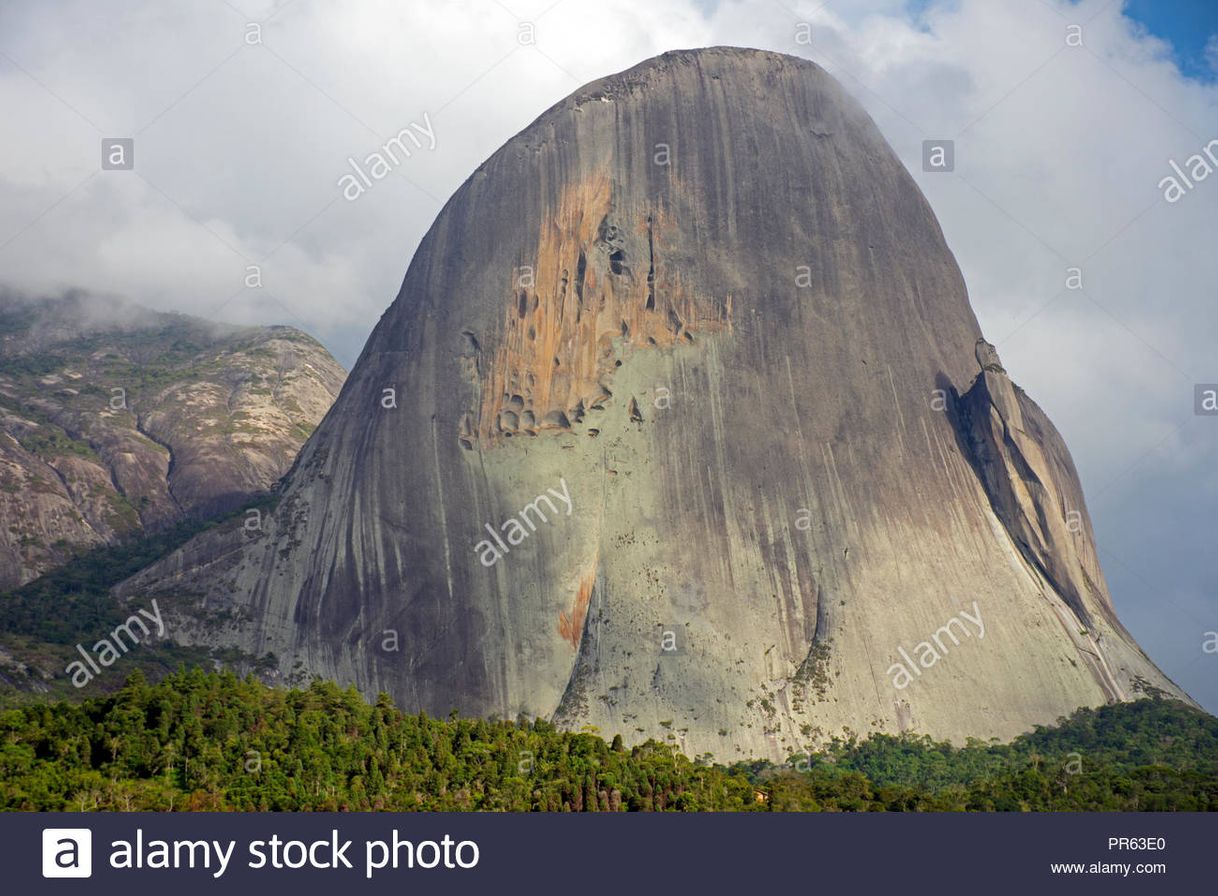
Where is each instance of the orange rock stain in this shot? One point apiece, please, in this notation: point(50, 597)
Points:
point(571, 626)
point(597, 286)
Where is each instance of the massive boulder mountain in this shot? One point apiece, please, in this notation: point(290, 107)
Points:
point(682, 426)
point(117, 420)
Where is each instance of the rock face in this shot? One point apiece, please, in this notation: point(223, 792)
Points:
point(115, 419)
point(681, 426)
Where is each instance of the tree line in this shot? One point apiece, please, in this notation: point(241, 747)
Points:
point(211, 741)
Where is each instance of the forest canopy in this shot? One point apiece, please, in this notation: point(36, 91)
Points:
point(212, 741)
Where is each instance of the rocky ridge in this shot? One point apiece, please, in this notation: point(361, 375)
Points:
point(116, 420)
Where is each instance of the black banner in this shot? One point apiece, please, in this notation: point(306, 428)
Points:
point(590, 854)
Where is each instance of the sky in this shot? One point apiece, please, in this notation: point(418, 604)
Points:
point(1066, 117)
point(1190, 26)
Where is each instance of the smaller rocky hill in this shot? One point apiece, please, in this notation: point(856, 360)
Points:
point(116, 420)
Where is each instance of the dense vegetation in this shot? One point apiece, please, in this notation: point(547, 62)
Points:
point(42, 621)
point(80, 589)
point(208, 741)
